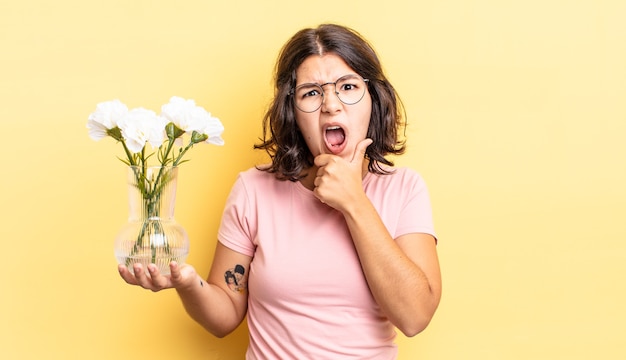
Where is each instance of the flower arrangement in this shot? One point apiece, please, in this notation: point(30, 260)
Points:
point(181, 125)
point(138, 127)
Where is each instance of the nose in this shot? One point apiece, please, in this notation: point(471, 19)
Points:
point(330, 100)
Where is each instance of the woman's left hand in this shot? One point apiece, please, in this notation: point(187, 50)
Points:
point(339, 182)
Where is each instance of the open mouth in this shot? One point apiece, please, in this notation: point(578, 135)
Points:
point(335, 138)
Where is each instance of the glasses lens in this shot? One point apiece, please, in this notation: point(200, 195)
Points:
point(350, 89)
point(308, 97)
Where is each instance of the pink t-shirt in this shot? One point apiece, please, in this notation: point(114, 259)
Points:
point(308, 297)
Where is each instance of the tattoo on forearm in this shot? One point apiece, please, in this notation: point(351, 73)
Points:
point(235, 279)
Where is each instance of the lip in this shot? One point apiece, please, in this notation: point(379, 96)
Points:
point(335, 149)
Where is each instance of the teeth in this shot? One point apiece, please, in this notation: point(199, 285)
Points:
point(333, 128)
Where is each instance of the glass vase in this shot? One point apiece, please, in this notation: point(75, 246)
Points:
point(151, 235)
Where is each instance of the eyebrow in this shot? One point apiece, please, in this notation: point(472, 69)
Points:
point(320, 84)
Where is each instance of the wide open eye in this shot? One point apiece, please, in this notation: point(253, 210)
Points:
point(350, 89)
point(307, 91)
point(308, 97)
point(350, 83)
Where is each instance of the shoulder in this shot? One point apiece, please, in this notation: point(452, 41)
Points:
point(400, 184)
point(255, 179)
point(400, 176)
point(255, 174)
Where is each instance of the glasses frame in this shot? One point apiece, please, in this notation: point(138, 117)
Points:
point(321, 87)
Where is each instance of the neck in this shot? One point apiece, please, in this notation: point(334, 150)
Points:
point(309, 180)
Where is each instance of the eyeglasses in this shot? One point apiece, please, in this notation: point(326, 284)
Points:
point(349, 89)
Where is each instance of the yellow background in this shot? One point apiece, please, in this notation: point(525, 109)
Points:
point(517, 114)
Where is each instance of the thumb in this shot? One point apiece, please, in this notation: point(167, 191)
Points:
point(175, 272)
point(359, 151)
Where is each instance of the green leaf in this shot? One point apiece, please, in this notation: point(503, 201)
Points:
point(124, 161)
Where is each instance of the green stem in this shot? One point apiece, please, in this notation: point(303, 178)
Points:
point(130, 157)
point(151, 224)
point(180, 156)
point(151, 192)
point(157, 186)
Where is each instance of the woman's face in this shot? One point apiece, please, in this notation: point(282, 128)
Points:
point(335, 128)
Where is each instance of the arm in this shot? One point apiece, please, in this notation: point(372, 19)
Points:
point(212, 303)
point(215, 305)
point(403, 274)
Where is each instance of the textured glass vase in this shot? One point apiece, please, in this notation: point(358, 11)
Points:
point(151, 235)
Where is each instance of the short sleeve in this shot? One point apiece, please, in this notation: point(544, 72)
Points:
point(416, 214)
point(238, 226)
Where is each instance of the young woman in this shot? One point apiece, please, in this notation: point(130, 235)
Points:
point(336, 246)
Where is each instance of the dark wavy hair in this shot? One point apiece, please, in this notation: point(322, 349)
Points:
point(282, 139)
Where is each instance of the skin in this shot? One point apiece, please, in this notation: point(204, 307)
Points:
point(354, 119)
point(403, 274)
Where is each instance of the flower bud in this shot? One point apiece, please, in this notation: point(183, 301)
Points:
point(115, 133)
point(173, 131)
point(197, 137)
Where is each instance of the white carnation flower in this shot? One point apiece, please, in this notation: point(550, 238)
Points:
point(183, 113)
point(140, 126)
point(165, 133)
point(106, 117)
point(189, 117)
point(213, 128)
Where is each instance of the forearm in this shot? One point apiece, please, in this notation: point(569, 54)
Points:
point(211, 307)
point(400, 286)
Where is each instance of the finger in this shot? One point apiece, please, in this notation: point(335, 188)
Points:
point(176, 275)
point(126, 275)
point(174, 269)
point(322, 160)
point(141, 278)
point(159, 281)
point(359, 151)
